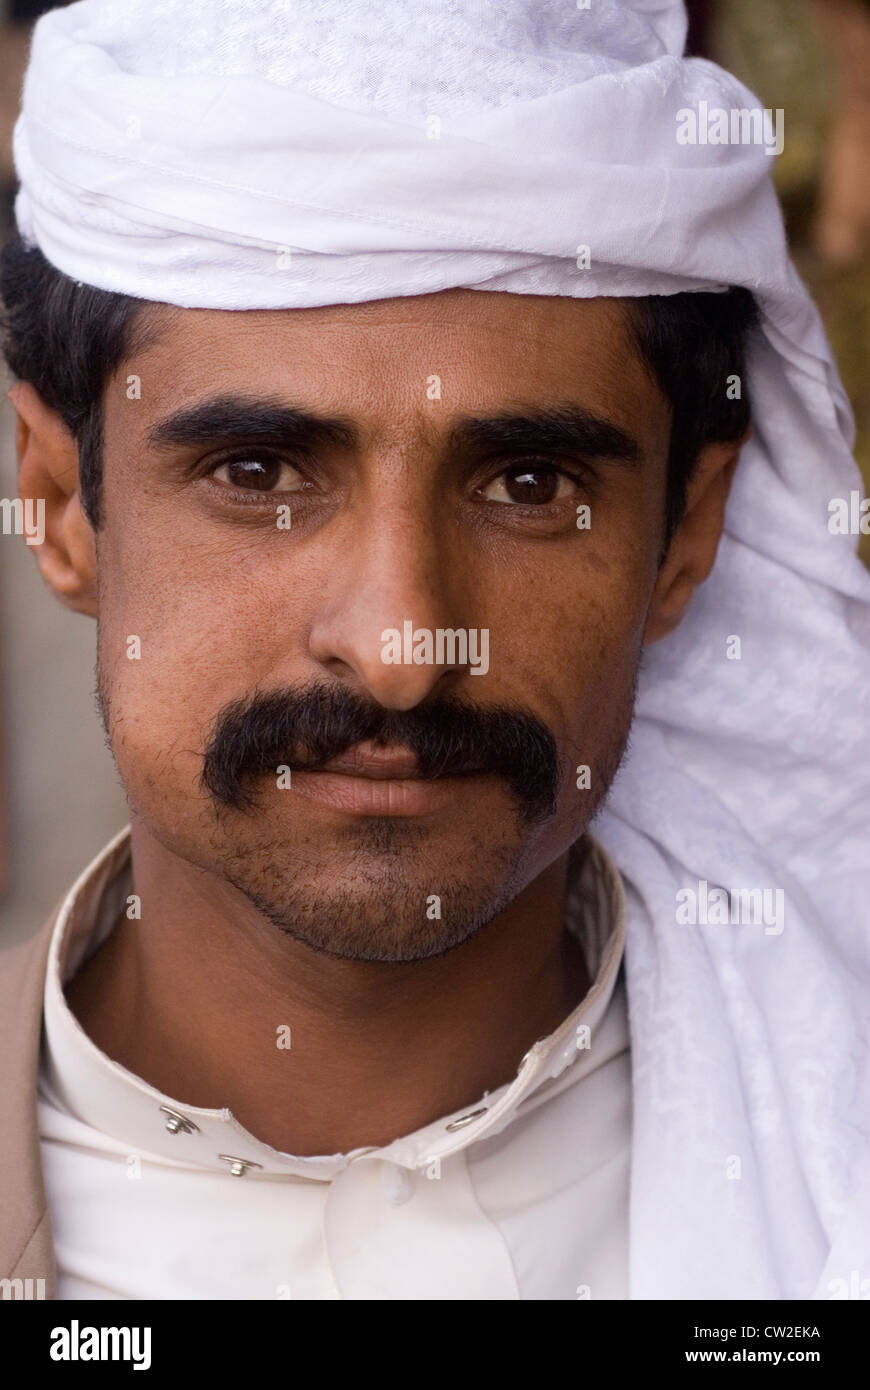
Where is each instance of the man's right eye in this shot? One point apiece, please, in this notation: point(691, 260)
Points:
point(259, 473)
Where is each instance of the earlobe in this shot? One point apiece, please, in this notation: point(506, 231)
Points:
point(692, 551)
point(48, 483)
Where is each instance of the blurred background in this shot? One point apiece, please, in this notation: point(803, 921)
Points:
point(60, 797)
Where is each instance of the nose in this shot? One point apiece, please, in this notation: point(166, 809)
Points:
point(378, 628)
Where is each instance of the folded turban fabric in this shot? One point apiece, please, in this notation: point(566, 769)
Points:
point(285, 153)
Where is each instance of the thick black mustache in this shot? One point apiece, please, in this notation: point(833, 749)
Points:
point(306, 728)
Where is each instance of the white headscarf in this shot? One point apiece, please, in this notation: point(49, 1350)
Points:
point(288, 153)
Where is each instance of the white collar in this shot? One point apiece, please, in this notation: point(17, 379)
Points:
point(104, 1094)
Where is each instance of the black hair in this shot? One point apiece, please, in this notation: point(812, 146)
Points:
point(695, 345)
point(66, 338)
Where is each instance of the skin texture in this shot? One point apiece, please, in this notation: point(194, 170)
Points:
point(396, 1019)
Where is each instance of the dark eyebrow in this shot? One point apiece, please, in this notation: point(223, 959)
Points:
point(248, 418)
point(565, 429)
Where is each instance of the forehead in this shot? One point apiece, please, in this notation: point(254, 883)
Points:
point(379, 358)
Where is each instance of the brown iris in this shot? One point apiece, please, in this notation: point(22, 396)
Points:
point(532, 486)
point(259, 474)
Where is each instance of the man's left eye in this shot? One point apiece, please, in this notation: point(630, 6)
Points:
point(530, 485)
point(260, 474)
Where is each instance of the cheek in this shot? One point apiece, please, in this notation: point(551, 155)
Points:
point(585, 627)
point(597, 687)
point(573, 618)
point(187, 623)
point(598, 651)
point(572, 632)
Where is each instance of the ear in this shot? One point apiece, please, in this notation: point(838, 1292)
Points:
point(48, 476)
point(693, 546)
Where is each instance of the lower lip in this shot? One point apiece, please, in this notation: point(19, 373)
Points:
point(368, 796)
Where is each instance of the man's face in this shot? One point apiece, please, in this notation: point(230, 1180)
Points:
point(258, 558)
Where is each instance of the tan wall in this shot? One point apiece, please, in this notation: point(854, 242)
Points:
point(62, 794)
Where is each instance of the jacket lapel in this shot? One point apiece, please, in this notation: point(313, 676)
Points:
point(26, 1242)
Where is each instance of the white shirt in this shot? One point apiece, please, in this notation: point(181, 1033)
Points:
point(521, 1196)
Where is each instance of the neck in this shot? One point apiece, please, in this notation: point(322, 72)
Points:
point(193, 999)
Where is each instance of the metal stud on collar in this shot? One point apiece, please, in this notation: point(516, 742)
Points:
point(239, 1166)
point(466, 1119)
point(178, 1123)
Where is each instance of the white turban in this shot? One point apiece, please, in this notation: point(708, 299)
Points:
point(287, 153)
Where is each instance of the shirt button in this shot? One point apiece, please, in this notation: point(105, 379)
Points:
point(396, 1183)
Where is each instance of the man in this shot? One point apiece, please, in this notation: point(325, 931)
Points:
point(380, 563)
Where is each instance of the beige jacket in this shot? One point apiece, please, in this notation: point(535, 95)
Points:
point(26, 1242)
